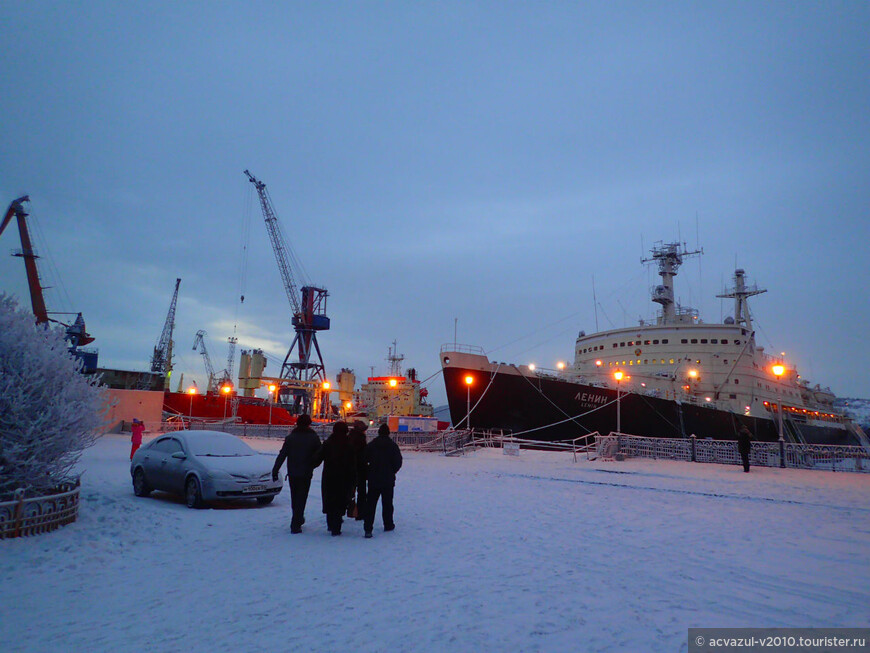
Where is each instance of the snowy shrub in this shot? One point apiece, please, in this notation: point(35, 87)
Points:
point(49, 413)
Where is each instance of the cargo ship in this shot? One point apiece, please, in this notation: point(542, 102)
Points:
point(673, 378)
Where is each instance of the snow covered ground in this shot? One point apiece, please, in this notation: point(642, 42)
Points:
point(491, 553)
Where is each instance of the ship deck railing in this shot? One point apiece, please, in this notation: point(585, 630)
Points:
point(462, 349)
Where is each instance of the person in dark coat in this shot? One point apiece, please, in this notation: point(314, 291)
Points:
point(383, 460)
point(744, 446)
point(339, 476)
point(301, 449)
point(358, 441)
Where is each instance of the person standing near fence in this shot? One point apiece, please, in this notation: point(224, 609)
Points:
point(383, 460)
point(339, 476)
point(138, 429)
point(744, 446)
point(301, 449)
point(357, 437)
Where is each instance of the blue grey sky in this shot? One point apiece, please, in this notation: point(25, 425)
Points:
point(432, 161)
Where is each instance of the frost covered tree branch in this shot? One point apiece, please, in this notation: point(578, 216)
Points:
point(49, 412)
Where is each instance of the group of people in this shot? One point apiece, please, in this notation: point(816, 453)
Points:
point(356, 474)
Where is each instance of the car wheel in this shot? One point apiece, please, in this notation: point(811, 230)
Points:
point(192, 493)
point(265, 501)
point(140, 485)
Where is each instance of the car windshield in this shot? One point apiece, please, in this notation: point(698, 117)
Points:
point(210, 443)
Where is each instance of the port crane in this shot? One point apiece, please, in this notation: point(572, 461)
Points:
point(303, 376)
point(161, 360)
point(76, 334)
point(215, 381)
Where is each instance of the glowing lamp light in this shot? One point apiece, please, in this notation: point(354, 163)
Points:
point(226, 389)
point(560, 365)
point(272, 388)
point(707, 399)
point(778, 370)
point(326, 385)
point(191, 391)
point(348, 405)
point(693, 373)
point(469, 380)
point(618, 375)
point(532, 367)
point(393, 383)
point(598, 363)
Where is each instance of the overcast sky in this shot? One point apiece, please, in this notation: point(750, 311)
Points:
point(432, 161)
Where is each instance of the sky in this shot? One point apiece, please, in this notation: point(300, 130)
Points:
point(438, 166)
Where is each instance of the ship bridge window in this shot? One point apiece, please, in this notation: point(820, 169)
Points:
point(736, 381)
point(622, 344)
point(646, 342)
point(694, 341)
point(703, 341)
point(714, 341)
point(724, 341)
point(735, 397)
point(655, 342)
point(665, 341)
point(736, 342)
point(615, 345)
point(725, 362)
point(672, 361)
point(684, 341)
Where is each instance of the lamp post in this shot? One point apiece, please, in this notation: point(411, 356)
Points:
point(778, 371)
point(324, 402)
point(618, 376)
point(392, 383)
point(191, 391)
point(272, 389)
point(469, 380)
point(226, 390)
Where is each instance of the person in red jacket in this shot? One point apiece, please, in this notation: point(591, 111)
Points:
point(138, 429)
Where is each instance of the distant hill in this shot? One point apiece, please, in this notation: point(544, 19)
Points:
point(857, 409)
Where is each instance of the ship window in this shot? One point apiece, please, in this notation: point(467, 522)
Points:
point(646, 342)
point(615, 345)
point(663, 361)
point(631, 362)
point(697, 362)
point(646, 361)
point(655, 342)
point(623, 362)
point(665, 341)
point(724, 341)
point(684, 341)
point(672, 361)
point(638, 361)
point(694, 341)
point(714, 341)
point(725, 361)
point(703, 341)
point(622, 344)
point(736, 381)
point(735, 397)
point(736, 342)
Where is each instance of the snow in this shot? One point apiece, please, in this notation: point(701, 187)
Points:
point(491, 552)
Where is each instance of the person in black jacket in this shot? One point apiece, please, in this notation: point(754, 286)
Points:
point(744, 446)
point(357, 437)
point(302, 451)
point(383, 460)
point(339, 476)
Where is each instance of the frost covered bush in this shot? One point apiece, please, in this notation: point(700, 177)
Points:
point(49, 413)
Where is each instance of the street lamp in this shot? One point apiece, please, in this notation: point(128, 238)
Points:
point(324, 402)
point(226, 389)
point(468, 381)
point(778, 371)
point(191, 391)
point(272, 389)
point(618, 376)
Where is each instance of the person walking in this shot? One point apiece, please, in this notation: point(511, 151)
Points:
point(339, 476)
point(357, 436)
point(138, 429)
point(301, 449)
point(383, 460)
point(744, 446)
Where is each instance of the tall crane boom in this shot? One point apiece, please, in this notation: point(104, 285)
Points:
point(161, 360)
point(37, 301)
point(199, 341)
point(304, 377)
point(279, 244)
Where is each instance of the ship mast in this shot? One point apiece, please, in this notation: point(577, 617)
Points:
point(669, 257)
point(740, 293)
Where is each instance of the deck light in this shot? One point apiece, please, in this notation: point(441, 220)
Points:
point(560, 365)
point(469, 380)
point(326, 385)
point(226, 388)
point(693, 374)
point(598, 363)
point(778, 370)
point(532, 367)
point(393, 383)
point(191, 390)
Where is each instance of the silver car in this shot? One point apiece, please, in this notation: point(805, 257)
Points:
point(203, 466)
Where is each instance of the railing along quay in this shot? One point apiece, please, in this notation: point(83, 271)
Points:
point(828, 457)
point(24, 517)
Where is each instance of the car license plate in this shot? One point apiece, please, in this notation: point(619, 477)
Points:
point(254, 488)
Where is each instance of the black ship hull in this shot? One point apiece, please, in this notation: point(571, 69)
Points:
point(550, 409)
